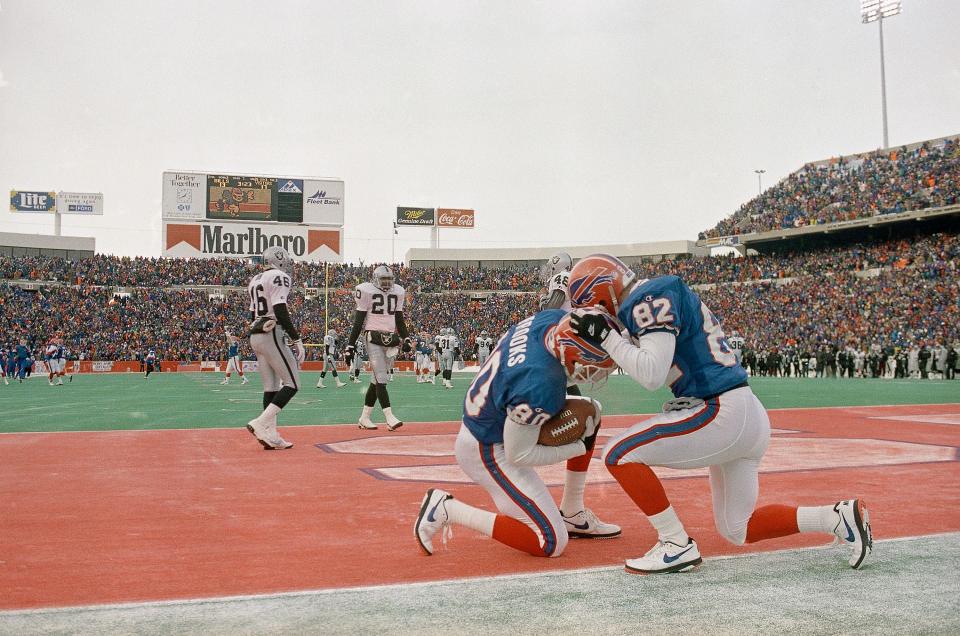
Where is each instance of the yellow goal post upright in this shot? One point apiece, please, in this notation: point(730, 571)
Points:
point(326, 307)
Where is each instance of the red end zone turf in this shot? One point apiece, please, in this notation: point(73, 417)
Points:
point(91, 518)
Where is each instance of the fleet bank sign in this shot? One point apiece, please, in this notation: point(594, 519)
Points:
point(237, 240)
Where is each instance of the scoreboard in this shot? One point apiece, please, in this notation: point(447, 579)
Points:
point(244, 199)
point(261, 199)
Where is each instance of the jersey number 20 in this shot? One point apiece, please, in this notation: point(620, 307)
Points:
point(379, 301)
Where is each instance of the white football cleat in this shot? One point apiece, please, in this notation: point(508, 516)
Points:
point(433, 517)
point(366, 424)
point(393, 423)
point(586, 525)
point(340, 384)
point(356, 380)
point(666, 557)
point(853, 529)
point(321, 385)
point(225, 381)
point(244, 381)
point(260, 429)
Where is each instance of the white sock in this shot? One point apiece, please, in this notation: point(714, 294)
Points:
point(271, 412)
point(574, 483)
point(669, 527)
point(388, 412)
point(473, 518)
point(367, 410)
point(817, 519)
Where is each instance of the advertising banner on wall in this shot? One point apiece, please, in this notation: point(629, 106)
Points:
point(236, 240)
point(32, 201)
point(454, 217)
point(323, 202)
point(184, 195)
point(80, 203)
point(415, 216)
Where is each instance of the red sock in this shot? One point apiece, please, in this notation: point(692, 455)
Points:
point(770, 522)
point(518, 535)
point(643, 486)
point(580, 463)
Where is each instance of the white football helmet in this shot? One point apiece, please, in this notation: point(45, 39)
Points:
point(277, 257)
point(331, 332)
point(560, 262)
point(383, 277)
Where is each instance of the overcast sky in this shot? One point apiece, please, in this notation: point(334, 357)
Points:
point(560, 122)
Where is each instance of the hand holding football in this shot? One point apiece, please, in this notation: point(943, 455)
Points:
point(569, 425)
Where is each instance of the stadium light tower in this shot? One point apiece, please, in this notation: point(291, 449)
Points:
point(877, 11)
point(759, 181)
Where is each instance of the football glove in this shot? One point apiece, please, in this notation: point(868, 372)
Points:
point(348, 353)
point(593, 325)
point(299, 350)
point(589, 436)
point(407, 345)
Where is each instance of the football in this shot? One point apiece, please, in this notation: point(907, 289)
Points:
point(569, 424)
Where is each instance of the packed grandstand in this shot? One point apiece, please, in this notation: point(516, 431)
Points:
point(866, 295)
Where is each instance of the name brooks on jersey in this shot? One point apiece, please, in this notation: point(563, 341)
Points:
point(520, 379)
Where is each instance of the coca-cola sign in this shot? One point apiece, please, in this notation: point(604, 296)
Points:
point(449, 217)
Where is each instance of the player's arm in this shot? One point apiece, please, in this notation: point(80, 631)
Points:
point(648, 361)
point(401, 325)
point(359, 317)
point(283, 319)
point(555, 300)
point(521, 447)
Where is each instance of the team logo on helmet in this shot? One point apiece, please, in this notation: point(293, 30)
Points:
point(600, 279)
point(583, 290)
point(582, 360)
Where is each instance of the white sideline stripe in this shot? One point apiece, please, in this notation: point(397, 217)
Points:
point(417, 584)
point(353, 424)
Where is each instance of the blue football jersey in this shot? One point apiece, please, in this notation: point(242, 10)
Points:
point(520, 377)
point(703, 362)
point(234, 350)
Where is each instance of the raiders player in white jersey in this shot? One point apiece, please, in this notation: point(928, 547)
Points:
point(379, 317)
point(329, 359)
point(355, 361)
point(736, 343)
point(556, 276)
point(484, 346)
point(448, 350)
point(271, 327)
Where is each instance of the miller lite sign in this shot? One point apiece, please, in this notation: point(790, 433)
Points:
point(454, 217)
point(23, 201)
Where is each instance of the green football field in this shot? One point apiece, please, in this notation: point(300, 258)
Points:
point(198, 400)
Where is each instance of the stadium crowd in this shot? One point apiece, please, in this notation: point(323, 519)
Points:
point(882, 182)
point(160, 272)
point(817, 301)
